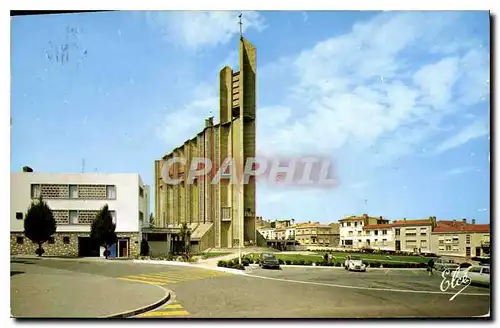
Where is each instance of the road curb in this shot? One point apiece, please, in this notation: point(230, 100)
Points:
point(143, 309)
point(191, 265)
point(334, 267)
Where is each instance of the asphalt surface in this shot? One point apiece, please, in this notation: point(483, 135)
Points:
point(46, 292)
point(290, 292)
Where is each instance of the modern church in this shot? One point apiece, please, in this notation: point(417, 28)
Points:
point(220, 215)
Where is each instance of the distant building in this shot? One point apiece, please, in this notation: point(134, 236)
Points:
point(75, 200)
point(462, 239)
point(316, 234)
point(413, 235)
point(352, 234)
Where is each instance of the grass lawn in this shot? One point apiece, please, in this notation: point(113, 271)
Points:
point(213, 254)
point(340, 257)
point(298, 257)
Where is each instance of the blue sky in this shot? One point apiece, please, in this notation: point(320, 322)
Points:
point(400, 100)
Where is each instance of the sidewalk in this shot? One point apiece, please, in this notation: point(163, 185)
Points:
point(49, 293)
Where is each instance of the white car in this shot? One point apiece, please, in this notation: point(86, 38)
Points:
point(354, 264)
point(478, 274)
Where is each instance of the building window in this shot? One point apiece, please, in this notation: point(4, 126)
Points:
point(384, 242)
point(113, 216)
point(73, 217)
point(35, 190)
point(448, 247)
point(423, 243)
point(376, 232)
point(73, 191)
point(397, 232)
point(51, 240)
point(467, 239)
point(19, 215)
point(355, 224)
point(20, 240)
point(111, 192)
point(350, 233)
point(141, 192)
point(441, 248)
point(348, 224)
point(66, 240)
point(384, 232)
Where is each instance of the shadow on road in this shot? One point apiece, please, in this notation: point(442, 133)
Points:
point(23, 261)
point(13, 273)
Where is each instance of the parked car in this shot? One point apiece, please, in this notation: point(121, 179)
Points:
point(268, 260)
point(478, 274)
point(354, 263)
point(442, 264)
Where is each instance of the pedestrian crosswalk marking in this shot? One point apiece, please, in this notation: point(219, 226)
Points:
point(173, 309)
point(163, 314)
point(164, 278)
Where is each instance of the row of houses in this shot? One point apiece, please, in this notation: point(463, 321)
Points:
point(445, 237)
point(307, 233)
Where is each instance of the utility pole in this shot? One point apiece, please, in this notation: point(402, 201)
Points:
point(83, 165)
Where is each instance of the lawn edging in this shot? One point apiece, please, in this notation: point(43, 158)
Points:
point(335, 267)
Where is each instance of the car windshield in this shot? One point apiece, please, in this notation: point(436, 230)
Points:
point(269, 257)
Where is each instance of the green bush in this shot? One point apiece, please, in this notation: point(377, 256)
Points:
point(222, 263)
point(301, 262)
point(288, 262)
point(245, 262)
point(307, 263)
point(280, 261)
point(338, 264)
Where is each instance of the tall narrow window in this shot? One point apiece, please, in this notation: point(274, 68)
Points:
point(73, 217)
point(113, 216)
point(35, 190)
point(110, 192)
point(73, 191)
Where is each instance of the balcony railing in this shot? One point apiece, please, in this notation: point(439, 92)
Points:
point(485, 244)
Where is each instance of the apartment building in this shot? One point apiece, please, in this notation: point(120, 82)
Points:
point(219, 214)
point(377, 236)
point(461, 239)
point(351, 230)
point(75, 200)
point(413, 235)
point(269, 233)
point(316, 234)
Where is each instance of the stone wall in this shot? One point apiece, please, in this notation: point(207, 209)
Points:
point(59, 248)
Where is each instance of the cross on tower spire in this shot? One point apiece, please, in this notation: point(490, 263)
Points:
point(241, 25)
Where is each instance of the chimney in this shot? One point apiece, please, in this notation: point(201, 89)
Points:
point(473, 221)
point(209, 122)
point(464, 220)
point(381, 217)
point(27, 169)
point(365, 216)
point(404, 219)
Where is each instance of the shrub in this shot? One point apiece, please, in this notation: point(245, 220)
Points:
point(337, 264)
point(280, 261)
point(245, 262)
point(307, 263)
point(222, 263)
point(301, 262)
point(465, 265)
point(288, 262)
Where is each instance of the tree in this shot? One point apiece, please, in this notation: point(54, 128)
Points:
point(144, 247)
point(151, 220)
point(103, 230)
point(39, 224)
point(185, 235)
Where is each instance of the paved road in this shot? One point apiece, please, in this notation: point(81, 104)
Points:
point(291, 292)
point(46, 292)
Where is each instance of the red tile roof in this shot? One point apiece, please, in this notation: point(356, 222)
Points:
point(377, 226)
point(398, 223)
point(462, 227)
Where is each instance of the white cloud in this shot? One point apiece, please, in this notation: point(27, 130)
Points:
point(196, 29)
point(183, 123)
point(367, 88)
point(459, 170)
point(477, 129)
